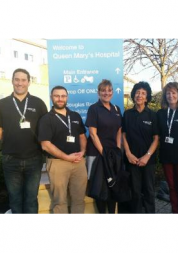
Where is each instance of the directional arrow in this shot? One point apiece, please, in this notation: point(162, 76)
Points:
point(117, 70)
point(118, 90)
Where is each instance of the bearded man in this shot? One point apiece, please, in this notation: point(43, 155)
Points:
point(62, 137)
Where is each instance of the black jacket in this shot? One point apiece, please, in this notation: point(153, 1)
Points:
point(108, 179)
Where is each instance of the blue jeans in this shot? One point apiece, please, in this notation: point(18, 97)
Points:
point(22, 178)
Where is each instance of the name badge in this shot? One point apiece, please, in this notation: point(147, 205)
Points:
point(169, 140)
point(70, 139)
point(25, 124)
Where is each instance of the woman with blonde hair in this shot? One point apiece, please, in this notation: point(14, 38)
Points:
point(104, 123)
point(168, 131)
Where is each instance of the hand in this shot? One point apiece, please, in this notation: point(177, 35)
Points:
point(143, 160)
point(80, 154)
point(74, 157)
point(132, 159)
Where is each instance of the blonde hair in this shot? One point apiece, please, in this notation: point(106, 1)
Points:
point(104, 83)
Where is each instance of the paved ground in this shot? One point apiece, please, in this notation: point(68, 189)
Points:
point(162, 206)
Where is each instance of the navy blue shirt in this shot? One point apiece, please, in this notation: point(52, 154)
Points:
point(21, 143)
point(168, 152)
point(52, 129)
point(140, 127)
point(107, 123)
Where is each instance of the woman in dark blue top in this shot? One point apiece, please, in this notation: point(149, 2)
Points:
point(104, 123)
point(168, 128)
point(140, 136)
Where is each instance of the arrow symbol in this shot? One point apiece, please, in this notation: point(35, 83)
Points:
point(117, 70)
point(118, 90)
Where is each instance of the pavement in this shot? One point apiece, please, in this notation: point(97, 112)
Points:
point(162, 206)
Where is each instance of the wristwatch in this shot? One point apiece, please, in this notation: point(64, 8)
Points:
point(148, 153)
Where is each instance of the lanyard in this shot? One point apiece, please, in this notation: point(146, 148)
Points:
point(170, 125)
point(25, 108)
point(69, 123)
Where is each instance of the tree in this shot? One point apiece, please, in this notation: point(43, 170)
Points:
point(160, 55)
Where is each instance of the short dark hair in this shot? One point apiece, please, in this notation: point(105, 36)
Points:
point(142, 85)
point(169, 86)
point(23, 71)
point(104, 83)
point(58, 88)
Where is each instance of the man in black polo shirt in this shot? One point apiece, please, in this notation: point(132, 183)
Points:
point(62, 136)
point(22, 157)
point(140, 135)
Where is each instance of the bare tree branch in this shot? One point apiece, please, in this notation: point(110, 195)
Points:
point(161, 55)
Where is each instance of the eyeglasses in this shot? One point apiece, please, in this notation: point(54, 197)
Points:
point(60, 96)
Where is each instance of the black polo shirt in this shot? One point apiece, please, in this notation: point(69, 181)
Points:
point(52, 129)
point(107, 123)
point(21, 143)
point(168, 152)
point(140, 127)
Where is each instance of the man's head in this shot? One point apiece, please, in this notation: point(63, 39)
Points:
point(20, 81)
point(59, 97)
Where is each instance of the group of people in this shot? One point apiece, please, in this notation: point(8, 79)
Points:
point(28, 132)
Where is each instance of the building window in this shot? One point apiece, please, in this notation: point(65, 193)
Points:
point(15, 54)
point(33, 79)
point(31, 57)
point(2, 74)
point(26, 57)
point(44, 60)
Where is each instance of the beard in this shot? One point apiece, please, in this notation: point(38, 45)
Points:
point(56, 106)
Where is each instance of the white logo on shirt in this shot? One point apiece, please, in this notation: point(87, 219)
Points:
point(76, 122)
point(147, 122)
point(31, 109)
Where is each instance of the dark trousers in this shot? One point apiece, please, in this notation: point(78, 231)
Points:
point(142, 187)
point(171, 174)
point(103, 206)
point(22, 178)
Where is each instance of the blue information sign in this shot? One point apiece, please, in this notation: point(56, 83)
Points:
point(80, 65)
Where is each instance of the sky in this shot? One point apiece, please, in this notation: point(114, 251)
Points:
point(146, 75)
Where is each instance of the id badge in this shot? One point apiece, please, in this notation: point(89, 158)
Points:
point(169, 140)
point(25, 124)
point(70, 139)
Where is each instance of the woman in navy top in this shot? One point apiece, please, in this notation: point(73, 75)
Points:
point(168, 130)
point(104, 123)
point(140, 137)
